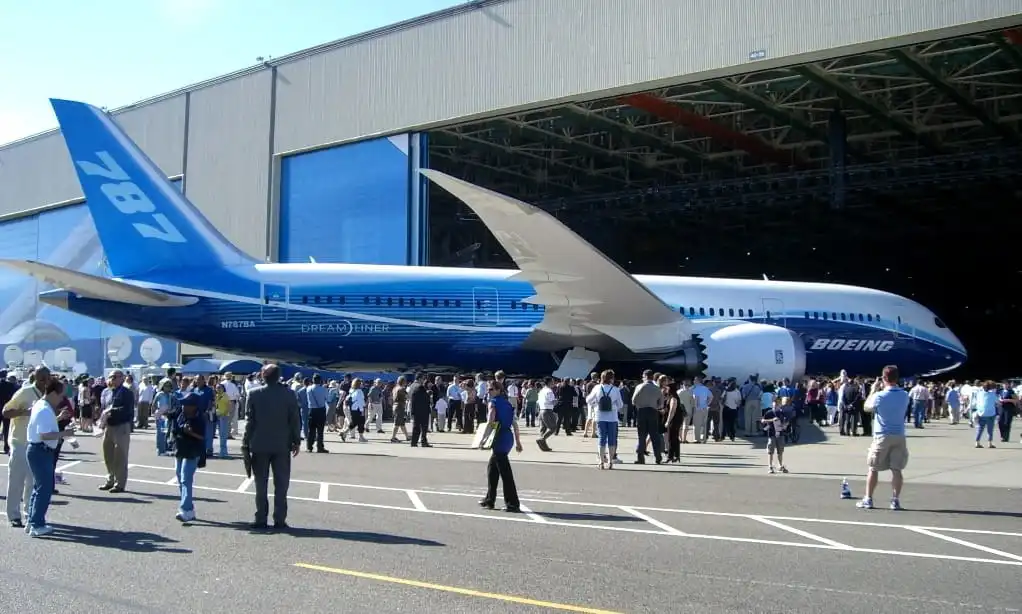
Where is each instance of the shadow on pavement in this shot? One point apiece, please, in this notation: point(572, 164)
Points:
point(127, 541)
point(385, 539)
point(971, 513)
point(568, 516)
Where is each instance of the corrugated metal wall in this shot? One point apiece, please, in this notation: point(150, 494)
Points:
point(229, 157)
point(513, 54)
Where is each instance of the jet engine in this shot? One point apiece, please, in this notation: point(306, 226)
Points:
point(740, 350)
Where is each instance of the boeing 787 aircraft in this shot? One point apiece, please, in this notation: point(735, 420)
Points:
point(567, 310)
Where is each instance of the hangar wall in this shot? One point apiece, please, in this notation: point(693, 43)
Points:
point(30, 330)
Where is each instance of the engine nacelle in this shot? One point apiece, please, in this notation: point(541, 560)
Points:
point(741, 350)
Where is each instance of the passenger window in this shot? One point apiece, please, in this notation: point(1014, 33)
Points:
point(869, 317)
point(807, 315)
point(340, 300)
point(315, 299)
point(731, 312)
point(514, 304)
point(833, 316)
point(691, 311)
point(751, 314)
point(711, 311)
point(457, 302)
point(842, 317)
point(702, 311)
point(878, 317)
point(816, 315)
point(741, 313)
point(436, 302)
point(305, 300)
point(377, 300)
point(768, 314)
point(860, 317)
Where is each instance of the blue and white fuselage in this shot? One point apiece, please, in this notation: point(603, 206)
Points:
point(567, 309)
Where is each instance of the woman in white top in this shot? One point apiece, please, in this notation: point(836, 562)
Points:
point(356, 402)
point(43, 435)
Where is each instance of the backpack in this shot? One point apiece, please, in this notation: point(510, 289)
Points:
point(605, 402)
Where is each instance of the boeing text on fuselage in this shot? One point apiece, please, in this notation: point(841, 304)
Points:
point(568, 309)
point(852, 345)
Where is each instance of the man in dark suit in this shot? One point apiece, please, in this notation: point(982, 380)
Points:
point(272, 438)
point(7, 390)
point(418, 400)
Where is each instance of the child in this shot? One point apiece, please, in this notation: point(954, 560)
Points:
point(775, 424)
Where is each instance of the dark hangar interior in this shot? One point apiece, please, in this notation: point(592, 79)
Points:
point(899, 170)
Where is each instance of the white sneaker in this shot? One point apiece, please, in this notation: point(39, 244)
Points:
point(40, 531)
point(362, 439)
point(865, 503)
point(896, 504)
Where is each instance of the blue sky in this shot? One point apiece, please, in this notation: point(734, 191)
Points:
point(115, 52)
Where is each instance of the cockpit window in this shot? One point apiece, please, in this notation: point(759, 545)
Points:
point(939, 322)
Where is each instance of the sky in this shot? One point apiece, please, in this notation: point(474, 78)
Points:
point(111, 53)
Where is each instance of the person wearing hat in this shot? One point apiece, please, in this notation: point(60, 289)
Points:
point(189, 432)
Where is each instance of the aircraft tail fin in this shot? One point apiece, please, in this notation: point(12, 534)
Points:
point(144, 223)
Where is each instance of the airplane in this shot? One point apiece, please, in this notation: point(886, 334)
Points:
point(566, 311)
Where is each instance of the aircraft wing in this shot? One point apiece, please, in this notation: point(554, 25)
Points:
point(583, 290)
point(91, 286)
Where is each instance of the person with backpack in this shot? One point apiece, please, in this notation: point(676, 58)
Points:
point(606, 399)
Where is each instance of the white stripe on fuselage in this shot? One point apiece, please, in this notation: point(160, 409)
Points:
point(675, 291)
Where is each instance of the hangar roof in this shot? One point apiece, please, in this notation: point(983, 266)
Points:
point(915, 114)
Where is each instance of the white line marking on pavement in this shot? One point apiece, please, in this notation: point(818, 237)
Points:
point(171, 482)
point(968, 544)
point(68, 465)
point(582, 525)
point(245, 485)
point(806, 534)
point(634, 507)
point(416, 501)
point(531, 514)
point(666, 528)
point(324, 491)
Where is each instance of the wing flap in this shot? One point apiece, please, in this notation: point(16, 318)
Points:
point(92, 286)
point(567, 272)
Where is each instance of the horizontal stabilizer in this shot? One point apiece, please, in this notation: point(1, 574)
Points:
point(91, 286)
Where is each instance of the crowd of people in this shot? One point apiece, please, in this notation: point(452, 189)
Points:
point(189, 411)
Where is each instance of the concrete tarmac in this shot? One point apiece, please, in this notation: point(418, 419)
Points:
point(389, 528)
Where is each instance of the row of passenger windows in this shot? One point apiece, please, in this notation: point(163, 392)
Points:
point(482, 304)
point(844, 317)
point(401, 301)
point(718, 312)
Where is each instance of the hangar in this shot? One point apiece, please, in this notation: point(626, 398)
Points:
point(872, 143)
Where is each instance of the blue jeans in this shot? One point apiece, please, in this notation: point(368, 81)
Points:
point(985, 422)
point(918, 413)
point(305, 422)
point(40, 462)
point(608, 434)
point(224, 425)
point(185, 468)
point(161, 435)
point(210, 431)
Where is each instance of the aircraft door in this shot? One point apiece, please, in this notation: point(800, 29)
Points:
point(485, 307)
point(773, 312)
point(273, 307)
